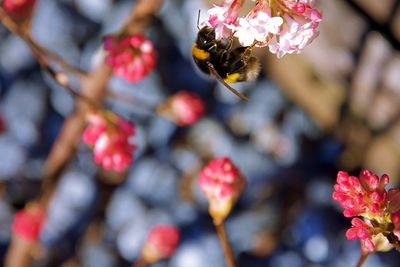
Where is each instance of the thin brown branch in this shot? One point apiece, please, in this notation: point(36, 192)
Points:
point(42, 54)
point(228, 254)
point(14, 27)
point(19, 253)
point(140, 262)
point(141, 16)
point(62, 63)
point(94, 86)
point(362, 259)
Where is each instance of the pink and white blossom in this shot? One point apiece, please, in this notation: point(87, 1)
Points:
point(222, 183)
point(285, 26)
point(109, 136)
point(132, 57)
point(257, 29)
point(223, 18)
point(161, 243)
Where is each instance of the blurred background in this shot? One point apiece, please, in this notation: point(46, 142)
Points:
point(334, 107)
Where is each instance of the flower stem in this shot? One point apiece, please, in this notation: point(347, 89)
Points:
point(140, 262)
point(230, 261)
point(362, 259)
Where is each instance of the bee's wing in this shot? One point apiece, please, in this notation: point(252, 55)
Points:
point(214, 72)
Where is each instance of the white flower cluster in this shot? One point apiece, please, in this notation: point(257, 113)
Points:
point(285, 26)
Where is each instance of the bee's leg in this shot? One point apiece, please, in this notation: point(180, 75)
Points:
point(219, 78)
point(225, 56)
point(247, 52)
point(230, 43)
point(212, 47)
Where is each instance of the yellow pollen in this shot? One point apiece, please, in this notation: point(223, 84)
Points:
point(232, 77)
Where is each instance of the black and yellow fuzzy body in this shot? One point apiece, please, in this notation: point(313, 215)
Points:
point(219, 58)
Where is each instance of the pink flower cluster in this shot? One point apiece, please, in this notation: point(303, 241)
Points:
point(161, 242)
point(28, 222)
point(222, 183)
point(131, 57)
point(220, 179)
point(183, 108)
point(367, 197)
point(223, 18)
point(19, 8)
point(109, 135)
point(285, 26)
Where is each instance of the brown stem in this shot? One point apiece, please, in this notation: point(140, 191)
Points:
point(93, 86)
point(362, 259)
point(140, 262)
point(230, 260)
point(19, 30)
point(42, 55)
point(19, 253)
point(63, 64)
point(141, 16)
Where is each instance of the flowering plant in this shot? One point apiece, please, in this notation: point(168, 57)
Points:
point(161, 243)
point(222, 183)
point(183, 108)
point(19, 8)
point(367, 197)
point(130, 56)
point(109, 136)
point(285, 26)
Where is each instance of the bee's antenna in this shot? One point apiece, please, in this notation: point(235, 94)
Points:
point(219, 78)
point(198, 20)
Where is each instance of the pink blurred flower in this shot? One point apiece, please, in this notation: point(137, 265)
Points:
point(222, 183)
point(19, 8)
point(109, 135)
point(183, 108)
point(96, 127)
point(2, 124)
point(28, 222)
point(161, 243)
point(131, 57)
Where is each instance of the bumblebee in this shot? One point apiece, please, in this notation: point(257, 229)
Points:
point(225, 63)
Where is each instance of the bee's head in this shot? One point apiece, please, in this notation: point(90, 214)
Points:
point(205, 36)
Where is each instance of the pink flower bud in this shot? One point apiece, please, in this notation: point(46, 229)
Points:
point(366, 195)
point(19, 8)
point(363, 231)
point(183, 108)
point(161, 243)
point(394, 200)
point(222, 183)
point(299, 8)
point(109, 136)
point(131, 57)
point(28, 222)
